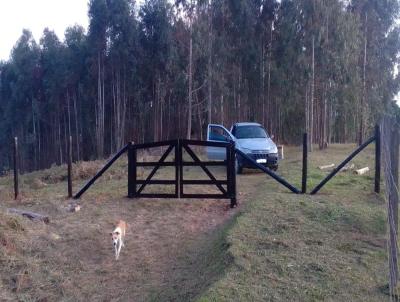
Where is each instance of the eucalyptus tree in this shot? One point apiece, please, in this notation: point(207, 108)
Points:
point(324, 66)
point(188, 9)
point(122, 56)
point(98, 46)
point(76, 54)
point(7, 76)
point(155, 36)
point(24, 88)
point(52, 82)
point(377, 57)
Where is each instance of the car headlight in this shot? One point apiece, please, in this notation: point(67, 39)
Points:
point(273, 150)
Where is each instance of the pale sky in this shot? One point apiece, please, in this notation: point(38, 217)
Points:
point(36, 15)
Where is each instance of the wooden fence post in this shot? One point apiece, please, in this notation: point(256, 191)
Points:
point(231, 159)
point(394, 206)
point(70, 167)
point(390, 139)
point(177, 168)
point(16, 168)
point(394, 154)
point(377, 159)
point(132, 170)
point(305, 155)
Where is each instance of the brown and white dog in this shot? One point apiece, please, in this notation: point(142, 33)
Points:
point(118, 236)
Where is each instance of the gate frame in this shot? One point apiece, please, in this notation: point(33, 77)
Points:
point(178, 163)
point(133, 192)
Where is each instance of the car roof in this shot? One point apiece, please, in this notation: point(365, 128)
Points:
point(246, 124)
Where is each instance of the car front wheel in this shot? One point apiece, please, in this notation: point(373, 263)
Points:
point(274, 168)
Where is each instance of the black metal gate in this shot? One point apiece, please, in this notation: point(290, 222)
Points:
point(136, 186)
point(133, 164)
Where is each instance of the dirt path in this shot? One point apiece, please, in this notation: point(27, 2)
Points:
point(166, 243)
point(157, 236)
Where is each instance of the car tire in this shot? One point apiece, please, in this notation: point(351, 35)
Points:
point(238, 167)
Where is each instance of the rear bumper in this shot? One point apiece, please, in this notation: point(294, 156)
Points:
point(271, 160)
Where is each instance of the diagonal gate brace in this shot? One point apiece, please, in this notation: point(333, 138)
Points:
point(162, 159)
point(269, 172)
point(200, 163)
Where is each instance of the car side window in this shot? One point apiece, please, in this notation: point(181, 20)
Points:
point(218, 134)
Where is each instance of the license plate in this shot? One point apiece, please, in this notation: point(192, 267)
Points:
point(261, 161)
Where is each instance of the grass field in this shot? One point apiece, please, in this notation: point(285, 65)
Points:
point(276, 246)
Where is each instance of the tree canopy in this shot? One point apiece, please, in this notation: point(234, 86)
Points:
point(166, 69)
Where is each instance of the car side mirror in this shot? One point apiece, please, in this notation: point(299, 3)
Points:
point(272, 136)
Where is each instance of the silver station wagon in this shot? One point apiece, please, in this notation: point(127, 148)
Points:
point(250, 138)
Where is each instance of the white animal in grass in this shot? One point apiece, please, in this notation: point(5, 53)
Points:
point(118, 237)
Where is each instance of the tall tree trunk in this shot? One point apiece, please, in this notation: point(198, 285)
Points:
point(39, 144)
point(323, 140)
point(102, 113)
point(189, 122)
point(307, 113)
point(330, 123)
point(76, 129)
point(123, 110)
point(161, 119)
point(269, 80)
point(209, 107)
point(59, 137)
point(100, 108)
point(65, 134)
point(363, 102)
point(239, 95)
point(312, 98)
point(222, 109)
point(35, 164)
point(69, 116)
point(262, 80)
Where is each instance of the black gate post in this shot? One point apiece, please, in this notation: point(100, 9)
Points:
point(132, 170)
point(231, 173)
point(178, 164)
point(377, 159)
point(304, 174)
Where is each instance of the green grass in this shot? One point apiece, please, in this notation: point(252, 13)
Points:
point(303, 250)
point(327, 247)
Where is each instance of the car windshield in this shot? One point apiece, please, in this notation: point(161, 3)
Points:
point(250, 132)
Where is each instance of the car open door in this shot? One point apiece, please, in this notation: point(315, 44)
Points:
point(217, 133)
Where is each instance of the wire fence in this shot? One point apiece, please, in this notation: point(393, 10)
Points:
point(390, 144)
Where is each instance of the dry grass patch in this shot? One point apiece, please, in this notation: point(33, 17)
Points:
point(283, 247)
